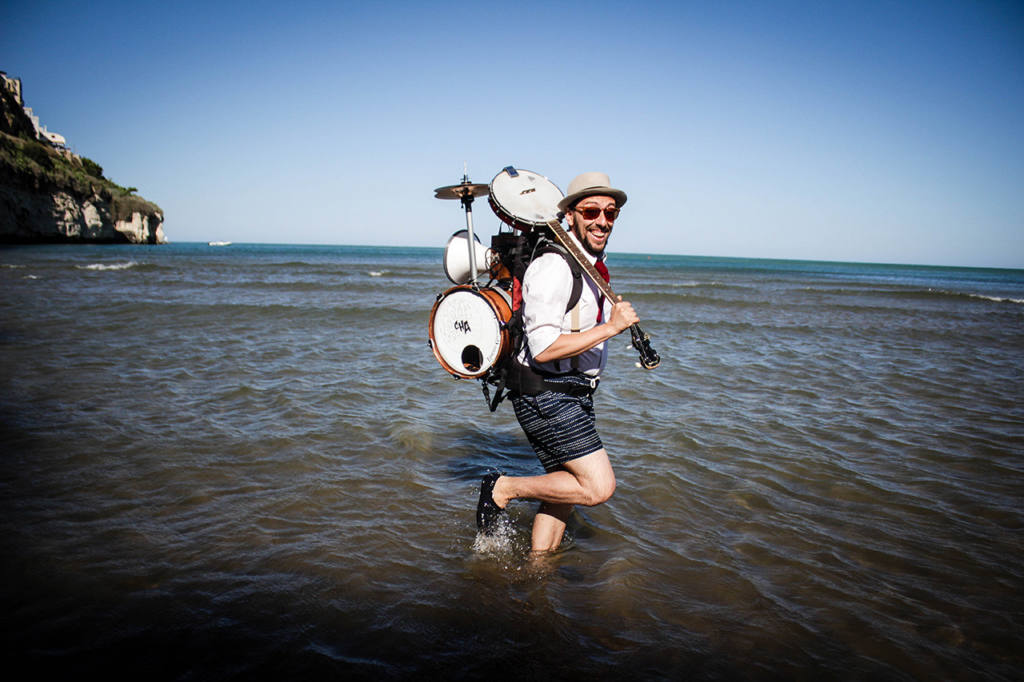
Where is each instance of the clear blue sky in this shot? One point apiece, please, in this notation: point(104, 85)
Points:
point(859, 131)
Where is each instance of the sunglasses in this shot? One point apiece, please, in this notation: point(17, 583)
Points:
point(592, 212)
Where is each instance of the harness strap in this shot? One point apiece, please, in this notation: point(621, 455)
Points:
point(512, 377)
point(575, 319)
point(526, 380)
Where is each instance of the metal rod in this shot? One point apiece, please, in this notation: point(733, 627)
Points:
point(467, 201)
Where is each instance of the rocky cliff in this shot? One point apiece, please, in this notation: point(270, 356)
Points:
point(58, 215)
point(48, 194)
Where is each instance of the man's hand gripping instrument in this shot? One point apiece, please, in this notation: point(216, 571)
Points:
point(649, 358)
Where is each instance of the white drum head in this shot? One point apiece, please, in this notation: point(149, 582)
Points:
point(527, 196)
point(466, 332)
point(456, 258)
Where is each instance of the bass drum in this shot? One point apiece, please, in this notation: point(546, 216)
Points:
point(524, 199)
point(468, 330)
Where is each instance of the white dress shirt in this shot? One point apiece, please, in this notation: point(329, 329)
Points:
point(547, 285)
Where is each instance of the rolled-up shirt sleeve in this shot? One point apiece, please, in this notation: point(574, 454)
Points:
point(546, 290)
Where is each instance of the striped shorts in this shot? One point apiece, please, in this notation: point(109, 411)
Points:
point(560, 427)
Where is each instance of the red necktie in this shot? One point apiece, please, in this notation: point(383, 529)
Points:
point(602, 269)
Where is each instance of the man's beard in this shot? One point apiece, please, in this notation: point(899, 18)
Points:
point(581, 237)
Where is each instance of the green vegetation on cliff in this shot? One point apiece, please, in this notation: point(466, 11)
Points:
point(38, 167)
point(34, 166)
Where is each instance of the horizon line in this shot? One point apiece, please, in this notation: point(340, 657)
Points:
point(636, 253)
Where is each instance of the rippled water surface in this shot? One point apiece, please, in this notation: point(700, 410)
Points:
point(244, 462)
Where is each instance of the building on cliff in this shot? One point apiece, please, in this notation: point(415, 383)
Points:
point(48, 194)
point(44, 135)
point(13, 86)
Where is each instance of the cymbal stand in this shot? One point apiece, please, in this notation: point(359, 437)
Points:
point(466, 192)
point(466, 196)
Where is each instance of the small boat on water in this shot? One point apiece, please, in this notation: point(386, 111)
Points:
point(220, 243)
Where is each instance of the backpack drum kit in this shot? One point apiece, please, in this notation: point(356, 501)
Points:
point(468, 323)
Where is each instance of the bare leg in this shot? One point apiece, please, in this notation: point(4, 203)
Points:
point(549, 526)
point(588, 480)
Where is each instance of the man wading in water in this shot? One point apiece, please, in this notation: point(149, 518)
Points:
point(563, 357)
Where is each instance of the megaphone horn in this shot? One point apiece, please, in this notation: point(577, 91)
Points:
point(456, 258)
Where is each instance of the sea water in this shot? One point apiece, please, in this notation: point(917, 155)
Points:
point(244, 462)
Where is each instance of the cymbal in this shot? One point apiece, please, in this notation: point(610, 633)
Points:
point(459, 191)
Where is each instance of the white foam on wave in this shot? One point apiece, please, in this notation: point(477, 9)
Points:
point(690, 284)
point(980, 297)
point(705, 284)
point(108, 266)
point(14, 266)
point(375, 273)
point(998, 299)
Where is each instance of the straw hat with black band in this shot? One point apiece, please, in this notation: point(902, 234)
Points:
point(588, 185)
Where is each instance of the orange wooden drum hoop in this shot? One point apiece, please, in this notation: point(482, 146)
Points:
point(468, 329)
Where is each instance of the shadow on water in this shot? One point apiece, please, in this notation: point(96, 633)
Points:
point(499, 626)
point(479, 451)
point(496, 614)
point(478, 610)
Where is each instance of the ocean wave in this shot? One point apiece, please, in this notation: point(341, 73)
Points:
point(690, 284)
point(108, 266)
point(638, 285)
point(997, 299)
point(949, 293)
point(921, 293)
